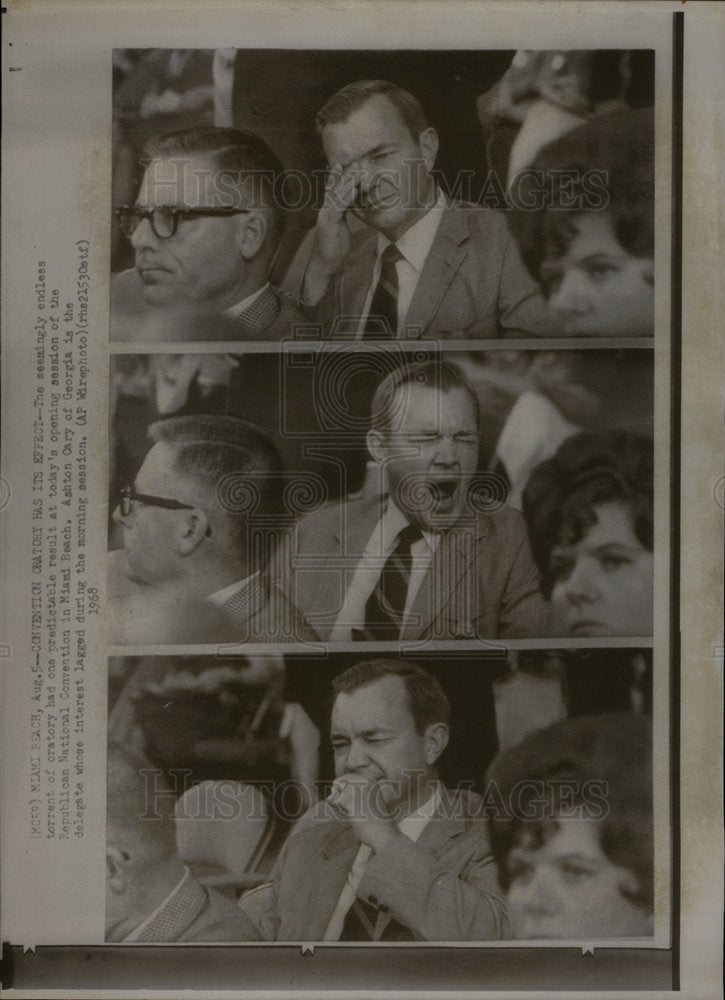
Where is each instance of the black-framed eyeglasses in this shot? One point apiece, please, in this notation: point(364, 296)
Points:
point(129, 496)
point(164, 219)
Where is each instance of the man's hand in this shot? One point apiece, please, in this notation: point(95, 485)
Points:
point(362, 802)
point(332, 237)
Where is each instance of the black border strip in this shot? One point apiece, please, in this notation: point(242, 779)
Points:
point(678, 50)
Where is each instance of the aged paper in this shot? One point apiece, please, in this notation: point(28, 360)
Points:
point(86, 84)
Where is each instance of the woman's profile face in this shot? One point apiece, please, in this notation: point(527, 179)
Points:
point(596, 288)
point(569, 889)
point(603, 582)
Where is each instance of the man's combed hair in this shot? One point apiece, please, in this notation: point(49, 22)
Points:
point(619, 148)
point(590, 468)
point(427, 701)
point(612, 750)
point(240, 157)
point(351, 98)
point(389, 400)
point(234, 462)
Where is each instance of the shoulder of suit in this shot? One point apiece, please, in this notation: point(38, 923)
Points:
point(462, 803)
point(336, 511)
point(502, 518)
point(479, 217)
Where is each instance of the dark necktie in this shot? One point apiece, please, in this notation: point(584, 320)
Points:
point(384, 305)
point(385, 606)
point(364, 922)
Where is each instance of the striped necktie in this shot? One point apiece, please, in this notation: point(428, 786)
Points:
point(385, 606)
point(382, 320)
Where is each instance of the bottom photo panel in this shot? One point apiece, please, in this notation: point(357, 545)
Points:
point(491, 797)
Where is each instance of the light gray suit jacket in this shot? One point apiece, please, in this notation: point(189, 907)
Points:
point(444, 887)
point(473, 284)
point(482, 582)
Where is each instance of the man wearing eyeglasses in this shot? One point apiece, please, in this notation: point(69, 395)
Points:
point(204, 229)
point(197, 528)
point(426, 558)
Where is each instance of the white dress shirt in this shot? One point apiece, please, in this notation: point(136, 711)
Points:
point(412, 827)
point(381, 543)
point(415, 245)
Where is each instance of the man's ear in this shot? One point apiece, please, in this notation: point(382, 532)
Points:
point(117, 862)
point(435, 741)
point(648, 271)
point(251, 233)
point(428, 142)
point(194, 528)
point(376, 445)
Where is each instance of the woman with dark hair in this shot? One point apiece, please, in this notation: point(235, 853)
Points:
point(574, 836)
point(583, 218)
point(589, 512)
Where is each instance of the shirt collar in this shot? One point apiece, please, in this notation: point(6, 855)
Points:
point(137, 931)
point(394, 520)
point(220, 597)
point(415, 243)
point(239, 307)
point(414, 824)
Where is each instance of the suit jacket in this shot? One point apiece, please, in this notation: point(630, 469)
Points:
point(271, 317)
point(482, 582)
point(442, 888)
point(473, 283)
point(263, 614)
point(259, 612)
point(196, 913)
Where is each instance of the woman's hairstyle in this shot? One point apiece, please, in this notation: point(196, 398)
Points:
point(590, 468)
point(606, 165)
point(605, 764)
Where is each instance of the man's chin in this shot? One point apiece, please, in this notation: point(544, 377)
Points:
point(385, 219)
point(159, 294)
point(441, 516)
point(132, 572)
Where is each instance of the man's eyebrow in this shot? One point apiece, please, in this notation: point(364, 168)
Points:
point(373, 151)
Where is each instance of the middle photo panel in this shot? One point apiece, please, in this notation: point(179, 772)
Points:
point(381, 494)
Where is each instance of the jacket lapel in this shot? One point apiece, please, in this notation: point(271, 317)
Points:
point(335, 856)
point(443, 261)
point(350, 535)
point(356, 277)
point(457, 550)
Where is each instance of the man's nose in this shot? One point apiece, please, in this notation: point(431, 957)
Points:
point(143, 235)
point(446, 450)
point(356, 756)
point(117, 516)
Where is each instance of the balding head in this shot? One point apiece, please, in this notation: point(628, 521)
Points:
point(142, 864)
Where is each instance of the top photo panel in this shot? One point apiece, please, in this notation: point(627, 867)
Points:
point(268, 195)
